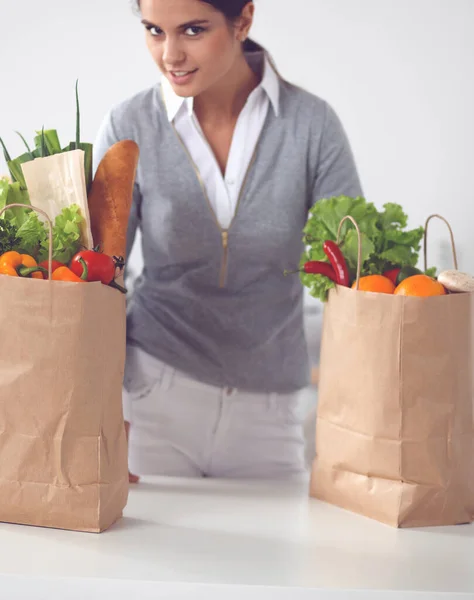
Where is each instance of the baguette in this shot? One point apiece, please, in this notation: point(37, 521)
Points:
point(111, 195)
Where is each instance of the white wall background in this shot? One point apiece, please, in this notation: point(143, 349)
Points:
point(399, 72)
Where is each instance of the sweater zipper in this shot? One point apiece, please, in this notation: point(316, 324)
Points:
point(225, 257)
point(224, 232)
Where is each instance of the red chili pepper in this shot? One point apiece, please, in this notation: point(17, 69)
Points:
point(333, 252)
point(318, 267)
point(392, 274)
point(101, 267)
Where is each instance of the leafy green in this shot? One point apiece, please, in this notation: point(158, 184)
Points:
point(14, 221)
point(350, 248)
point(318, 285)
point(8, 236)
point(394, 246)
point(66, 235)
point(385, 242)
point(32, 235)
point(392, 216)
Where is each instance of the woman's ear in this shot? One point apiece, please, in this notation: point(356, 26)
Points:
point(244, 22)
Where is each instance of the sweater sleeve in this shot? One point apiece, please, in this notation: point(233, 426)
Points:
point(106, 137)
point(336, 172)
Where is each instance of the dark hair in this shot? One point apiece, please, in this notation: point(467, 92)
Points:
point(231, 9)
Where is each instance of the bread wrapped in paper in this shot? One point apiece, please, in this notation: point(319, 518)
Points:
point(57, 182)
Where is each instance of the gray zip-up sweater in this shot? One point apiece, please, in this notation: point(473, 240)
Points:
point(215, 303)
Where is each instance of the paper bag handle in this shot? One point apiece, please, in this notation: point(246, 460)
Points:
point(359, 244)
point(425, 243)
point(50, 231)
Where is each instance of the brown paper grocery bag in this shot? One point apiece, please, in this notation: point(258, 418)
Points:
point(63, 452)
point(394, 434)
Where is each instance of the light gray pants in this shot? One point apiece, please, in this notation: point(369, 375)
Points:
point(182, 427)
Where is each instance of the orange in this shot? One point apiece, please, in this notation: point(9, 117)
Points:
point(420, 285)
point(375, 283)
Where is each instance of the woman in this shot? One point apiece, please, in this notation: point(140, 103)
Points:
point(231, 159)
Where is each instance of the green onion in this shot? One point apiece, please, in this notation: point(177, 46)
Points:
point(5, 152)
point(78, 117)
point(17, 195)
point(15, 168)
point(77, 145)
point(47, 144)
point(4, 189)
point(88, 149)
point(24, 141)
point(51, 140)
point(44, 148)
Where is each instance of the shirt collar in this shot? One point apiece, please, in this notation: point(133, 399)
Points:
point(263, 63)
point(173, 102)
point(259, 61)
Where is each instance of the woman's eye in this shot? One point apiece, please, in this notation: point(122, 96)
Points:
point(155, 31)
point(194, 31)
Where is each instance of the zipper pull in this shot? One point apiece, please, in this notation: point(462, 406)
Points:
point(225, 248)
point(225, 239)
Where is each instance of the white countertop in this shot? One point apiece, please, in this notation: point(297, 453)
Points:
point(232, 540)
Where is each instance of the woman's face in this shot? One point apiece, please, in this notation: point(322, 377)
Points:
point(191, 42)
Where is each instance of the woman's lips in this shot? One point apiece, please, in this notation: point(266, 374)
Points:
point(181, 77)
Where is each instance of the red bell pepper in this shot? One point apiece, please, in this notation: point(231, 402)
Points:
point(100, 267)
point(392, 274)
point(55, 265)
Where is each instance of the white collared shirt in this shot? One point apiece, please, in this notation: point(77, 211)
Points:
point(223, 191)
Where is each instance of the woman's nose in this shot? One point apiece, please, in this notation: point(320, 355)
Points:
point(172, 53)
